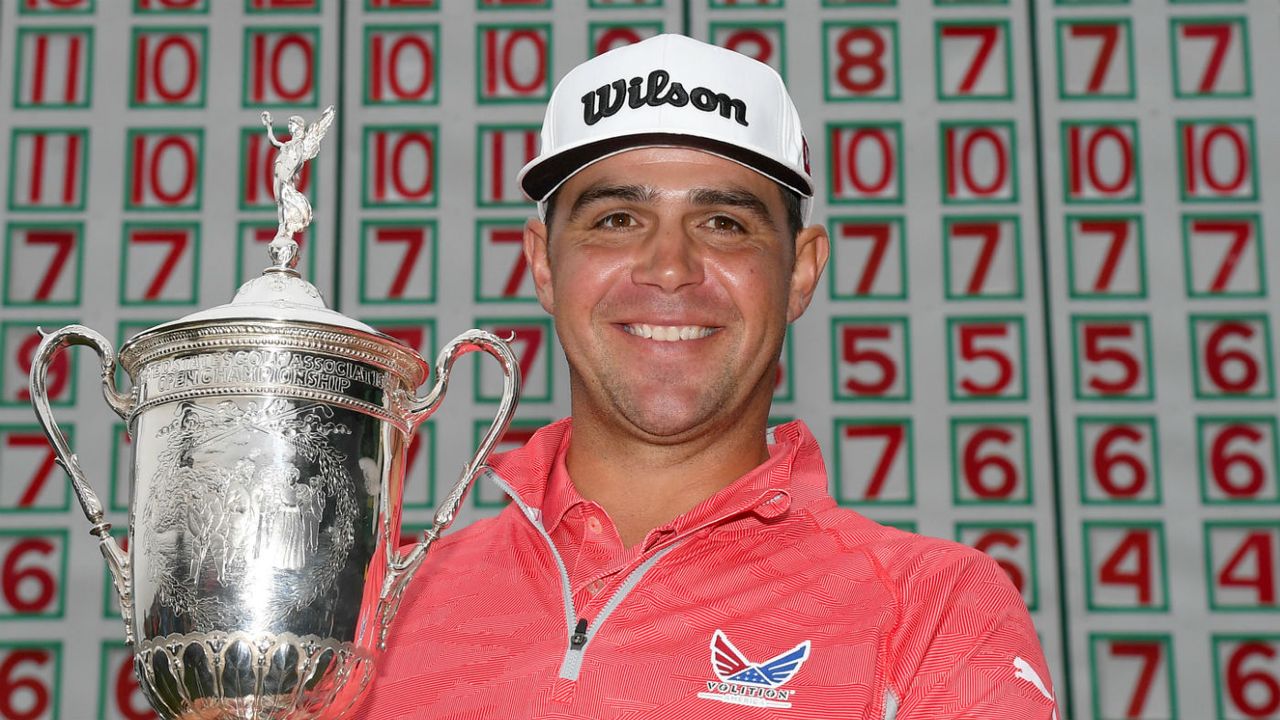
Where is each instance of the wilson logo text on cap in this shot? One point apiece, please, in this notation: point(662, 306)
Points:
point(606, 100)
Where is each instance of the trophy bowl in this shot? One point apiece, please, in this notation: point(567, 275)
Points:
point(270, 439)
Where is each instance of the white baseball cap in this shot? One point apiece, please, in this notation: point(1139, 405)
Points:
point(670, 90)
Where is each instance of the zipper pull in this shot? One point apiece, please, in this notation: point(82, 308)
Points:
point(579, 638)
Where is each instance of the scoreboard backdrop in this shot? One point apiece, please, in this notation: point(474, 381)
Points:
point(1047, 329)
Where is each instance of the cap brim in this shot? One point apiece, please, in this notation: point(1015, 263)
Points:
point(542, 179)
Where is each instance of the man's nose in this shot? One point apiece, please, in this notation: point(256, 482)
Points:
point(669, 259)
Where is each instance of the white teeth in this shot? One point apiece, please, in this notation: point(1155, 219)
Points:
point(669, 333)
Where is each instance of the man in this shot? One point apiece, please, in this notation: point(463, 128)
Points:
point(664, 555)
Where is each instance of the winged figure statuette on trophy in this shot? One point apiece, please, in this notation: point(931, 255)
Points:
point(293, 210)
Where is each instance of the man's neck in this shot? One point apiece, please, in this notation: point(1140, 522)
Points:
point(642, 485)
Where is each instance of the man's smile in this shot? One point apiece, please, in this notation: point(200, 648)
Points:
point(669, 333)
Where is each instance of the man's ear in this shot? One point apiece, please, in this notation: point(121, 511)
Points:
point(535, 254)
point(813, 247)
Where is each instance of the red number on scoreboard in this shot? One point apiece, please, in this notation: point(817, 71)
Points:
point(974, 60)
point(1150, 654)
point(1210, 57)
point(60, 255)
point(990, 463)
point(1217, 159)
point(979, 162)
point(1238, 459)
point(165, 169)
point(169, 67)
point(1113, 357)
point(888, 468)
point(873, 358)
point(401, 65)
point(53, 68)
point(1243, 563)
point(514, 62)
point(403, 166)
point(1232, 356)
point(1119, 462)
point(25, 695)
point(282, 67)
point(1127, 565)
point(986, 358)
point(27, 580)
point(28, 443)
point(1252, 676)
point(862, 61)
point(1101, 162)
point(865, 163)
point(511, 238)
point(54, 165)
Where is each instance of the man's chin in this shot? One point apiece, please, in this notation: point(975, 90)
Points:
point(668, 422)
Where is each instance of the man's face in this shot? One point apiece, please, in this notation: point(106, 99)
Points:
point(672, 277)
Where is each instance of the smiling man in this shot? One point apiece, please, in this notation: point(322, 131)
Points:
point(665, 555)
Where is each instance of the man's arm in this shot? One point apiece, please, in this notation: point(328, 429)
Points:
point(966, 647)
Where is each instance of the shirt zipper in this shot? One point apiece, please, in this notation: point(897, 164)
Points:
point(580, 631)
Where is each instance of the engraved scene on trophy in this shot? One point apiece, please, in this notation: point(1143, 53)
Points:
point(255, 505)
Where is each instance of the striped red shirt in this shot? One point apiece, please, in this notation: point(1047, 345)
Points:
point(766, 600)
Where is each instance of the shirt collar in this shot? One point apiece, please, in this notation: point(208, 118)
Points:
point(793, 474)
point(560, 495)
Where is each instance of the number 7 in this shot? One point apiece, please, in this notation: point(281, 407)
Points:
point(987, 36)
point(1109, 34)
point(42, 473)
point(1149, 653)
point(413, 239)
point(893, 435)
point(64, 242)
point(1220, 34)
point(989, 233)
point(521, 265)
point(177, 241)
point(1240, 231)
point(1119, 231)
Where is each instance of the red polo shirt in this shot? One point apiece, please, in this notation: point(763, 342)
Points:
point(766, 600)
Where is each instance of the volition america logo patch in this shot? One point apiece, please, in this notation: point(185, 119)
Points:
point(743, 682)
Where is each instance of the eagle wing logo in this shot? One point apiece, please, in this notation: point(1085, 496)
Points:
point(732, 666)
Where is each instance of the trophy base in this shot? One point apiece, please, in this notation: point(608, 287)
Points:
point(251, 676)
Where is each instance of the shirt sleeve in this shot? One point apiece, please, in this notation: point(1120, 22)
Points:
point(965, 647)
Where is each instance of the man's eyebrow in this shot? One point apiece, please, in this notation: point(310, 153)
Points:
point(596, 193)
point(733, 197)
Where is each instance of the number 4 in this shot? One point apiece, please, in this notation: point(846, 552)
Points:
point(1126, 566)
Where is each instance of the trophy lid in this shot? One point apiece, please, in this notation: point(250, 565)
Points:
point(278, 294)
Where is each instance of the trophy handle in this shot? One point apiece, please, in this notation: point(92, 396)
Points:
point(122, 404)
point(400, 568)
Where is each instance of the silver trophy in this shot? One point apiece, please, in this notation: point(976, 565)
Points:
point(269, 450)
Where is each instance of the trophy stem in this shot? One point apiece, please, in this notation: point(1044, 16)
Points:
point(283, 252)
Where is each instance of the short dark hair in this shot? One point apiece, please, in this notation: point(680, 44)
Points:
point(790, 206)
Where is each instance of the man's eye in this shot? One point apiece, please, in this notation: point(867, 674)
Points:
point(616, 220)
point(722, 223)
